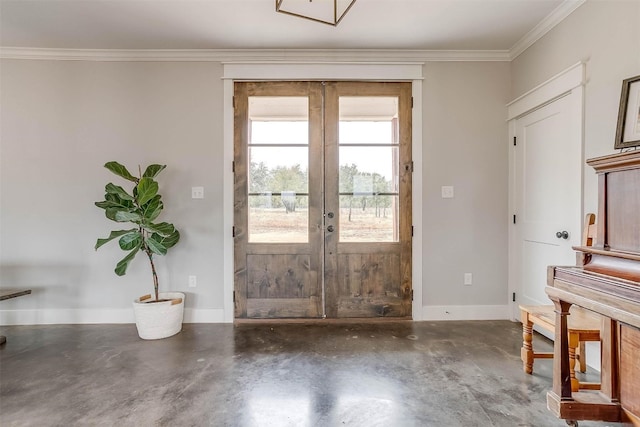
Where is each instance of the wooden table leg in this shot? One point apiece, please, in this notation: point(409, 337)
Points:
point(561, 374)
point(573, 345)
point(582, 358)
point(526, 353)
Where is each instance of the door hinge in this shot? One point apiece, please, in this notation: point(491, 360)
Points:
point(514, 141)
point(234, 296)
point(513, 297)
point(514, 219)
point(411, 294)
point(233, 231)
point(233, 166)
point(412, 231)
point(409, 167)
point(233, 101)
point(412, 102)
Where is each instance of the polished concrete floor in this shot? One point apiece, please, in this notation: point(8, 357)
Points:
point(391, 374)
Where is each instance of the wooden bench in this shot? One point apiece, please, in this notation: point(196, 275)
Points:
point(8, 294)
point(583, 325)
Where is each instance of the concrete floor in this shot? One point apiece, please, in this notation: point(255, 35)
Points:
point(380, 374)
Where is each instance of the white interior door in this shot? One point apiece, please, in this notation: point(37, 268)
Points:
point(548, 196)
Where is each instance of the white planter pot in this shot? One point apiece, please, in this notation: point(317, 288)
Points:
point(160, 319)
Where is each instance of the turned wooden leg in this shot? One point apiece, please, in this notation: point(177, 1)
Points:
point(573, 345)
point(582, 358)
point(526, 353)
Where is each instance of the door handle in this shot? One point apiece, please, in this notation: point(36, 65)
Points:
point(562, 235)
point(330, 229)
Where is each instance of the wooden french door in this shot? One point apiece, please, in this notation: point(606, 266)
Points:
point(322, 223)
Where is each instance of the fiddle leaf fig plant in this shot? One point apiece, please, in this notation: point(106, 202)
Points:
point(140, 207)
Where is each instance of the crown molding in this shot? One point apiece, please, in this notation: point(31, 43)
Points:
point(275, 55)
point(298, 55)
point(565, 9)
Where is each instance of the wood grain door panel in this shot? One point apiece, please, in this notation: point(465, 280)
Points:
point(370, 277)
point(277, 273)
point(319, 270)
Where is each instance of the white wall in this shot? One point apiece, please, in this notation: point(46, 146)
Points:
point(606, 36)
point(62, 120)
point(465, 140)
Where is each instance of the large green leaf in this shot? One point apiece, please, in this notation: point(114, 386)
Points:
point(171, 240)
point(130, 240)
point(152, 209)
point(112, 236)
point(106, 204)
point(162, 228)
point(111, 197)
point(111, 213)
point(120, 170)
point(147, 190)
point(128, 204)
point(153, 170)
point(155, 245)
point(167, 241)
point(121, 267)
point(117, 191)
point(124, 216)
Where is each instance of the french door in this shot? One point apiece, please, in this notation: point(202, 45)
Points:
point(322, 199)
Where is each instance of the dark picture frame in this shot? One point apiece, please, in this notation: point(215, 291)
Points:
point(628, 129)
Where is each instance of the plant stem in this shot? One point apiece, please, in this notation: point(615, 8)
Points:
point(153, 270)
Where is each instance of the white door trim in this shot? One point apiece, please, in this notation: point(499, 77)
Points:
point(569, 82)
point(556, 86)
point(262, 71)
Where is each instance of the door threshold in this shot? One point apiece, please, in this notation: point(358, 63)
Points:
point(319, 321)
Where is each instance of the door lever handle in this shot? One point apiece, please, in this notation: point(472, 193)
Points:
point(562, 235)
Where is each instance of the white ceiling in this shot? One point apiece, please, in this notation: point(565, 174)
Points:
point(254, 24)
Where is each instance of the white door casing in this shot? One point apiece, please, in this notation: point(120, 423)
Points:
point(280, 70)
point(545, 188)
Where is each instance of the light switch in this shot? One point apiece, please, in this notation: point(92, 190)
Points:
point(197, 192)
point(447, 192)
point(468, 279)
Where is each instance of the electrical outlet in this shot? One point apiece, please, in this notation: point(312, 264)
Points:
point(197, 192)
point(192, 281)
point(468, 279)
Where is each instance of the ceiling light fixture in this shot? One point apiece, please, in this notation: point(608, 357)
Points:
point(328, 12)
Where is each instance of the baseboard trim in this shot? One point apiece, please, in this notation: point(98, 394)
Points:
point(96, 316)
point(465, 312)
point(193, 315)
point(201, 315)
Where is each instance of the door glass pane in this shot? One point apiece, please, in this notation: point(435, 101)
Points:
point(278, 175)
point(368, 218)
point(368, 169)
point(369, 132)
